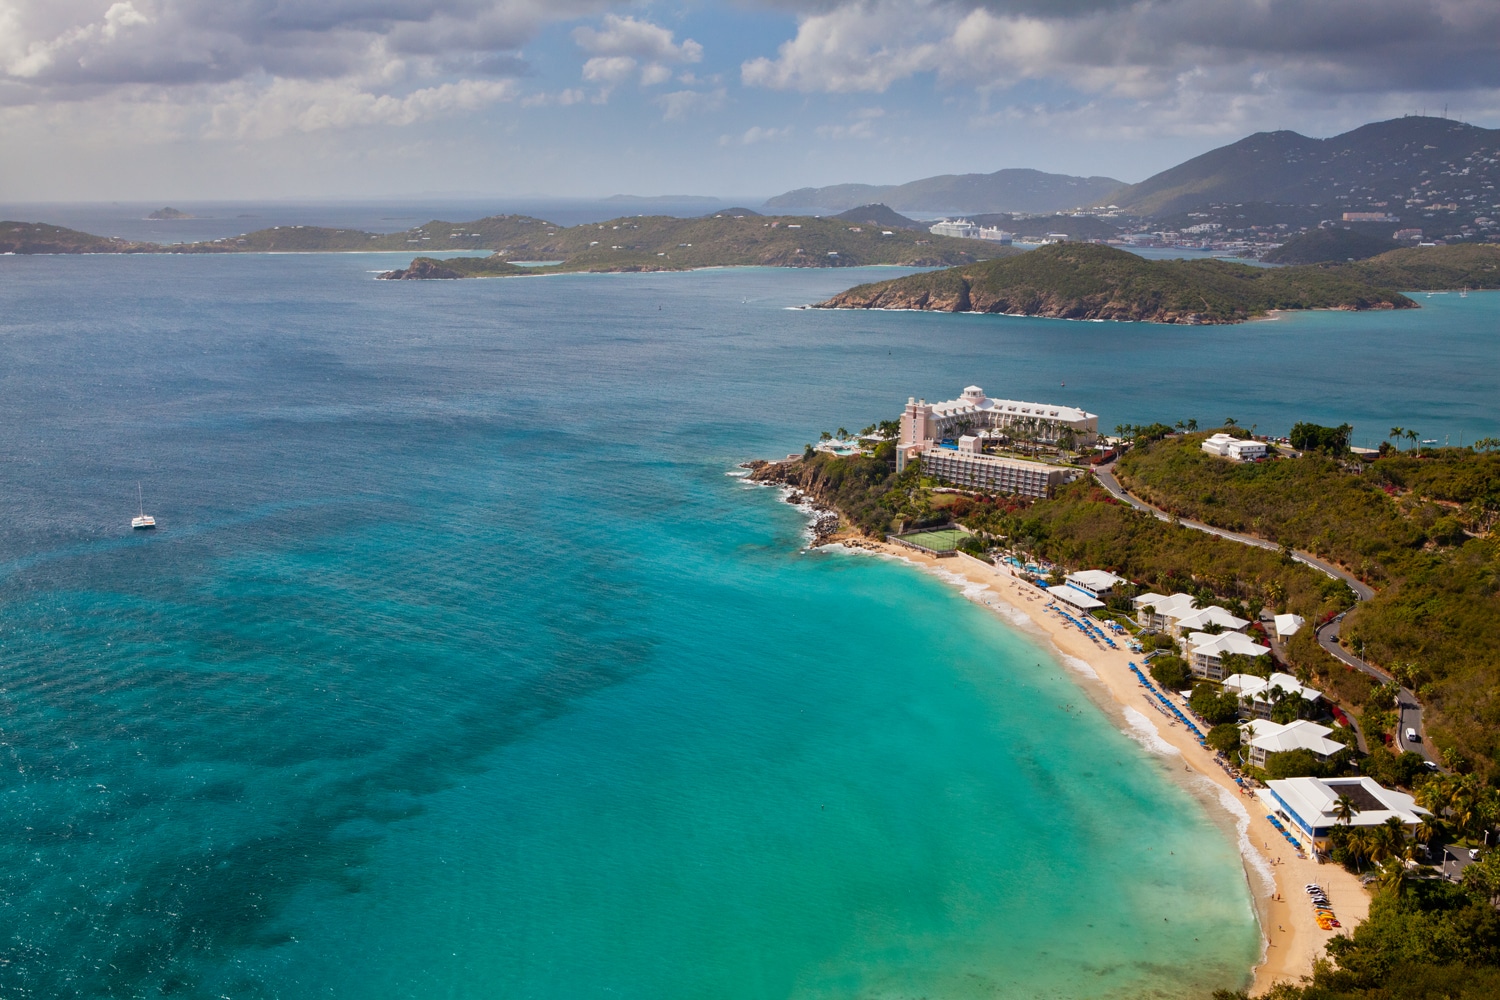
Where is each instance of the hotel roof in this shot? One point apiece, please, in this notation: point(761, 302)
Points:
point(1273, 737)
point(1095, 579)
point(1211, 615)
point(1313, 801)
point(975, 401)
point(1080, 599)
point(1250, 686)
point(1226, 642)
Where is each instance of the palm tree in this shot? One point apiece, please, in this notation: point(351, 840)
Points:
point(1429, 830)
point(1436, 794)
point(1343, 809)
point(1393, 836)
point(1192, 425)
point(1413, 437)
point(1396, 434)
point(1358, 846)
point(1393, 876)
point(1230, 422)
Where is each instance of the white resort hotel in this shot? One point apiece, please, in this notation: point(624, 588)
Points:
point(951, 439)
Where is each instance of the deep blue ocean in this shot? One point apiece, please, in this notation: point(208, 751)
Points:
point(461, 666)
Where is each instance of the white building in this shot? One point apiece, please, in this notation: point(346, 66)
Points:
point(1074, 598)
point(1308, 806)
point(1259, 694)
point(1205, 652)
point(1094, 582)
point(962, 228)
point(925, 424)
point(1199, 620)
point(1262, 737)
point(993, 474)
point(1158, 611)
point(1177, 614)
point(1239, 449)
point(1288, 625)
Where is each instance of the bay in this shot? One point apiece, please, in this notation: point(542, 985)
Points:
point(459, 664)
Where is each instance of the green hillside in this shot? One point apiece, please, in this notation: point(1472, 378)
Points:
point(1464, 265)
point(1397, 165)
point(1417, 526)
point(39, 237)
point(1091, 281)
point(1318, 246)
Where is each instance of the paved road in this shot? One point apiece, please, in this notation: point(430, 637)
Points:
point(1409, 709)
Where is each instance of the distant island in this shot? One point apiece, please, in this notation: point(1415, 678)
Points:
point(170, 213)
point(727, 239)
point(1091, 281)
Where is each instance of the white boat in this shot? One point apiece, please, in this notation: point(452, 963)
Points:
point(143, 520)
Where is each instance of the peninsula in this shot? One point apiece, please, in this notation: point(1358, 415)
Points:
point(1091, 281)
point(738, 238)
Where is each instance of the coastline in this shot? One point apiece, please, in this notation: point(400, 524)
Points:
point(1291, 940)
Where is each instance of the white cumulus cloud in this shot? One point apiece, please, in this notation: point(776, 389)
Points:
point(626, 36)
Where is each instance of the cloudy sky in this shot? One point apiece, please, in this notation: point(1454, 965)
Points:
point(144, 99)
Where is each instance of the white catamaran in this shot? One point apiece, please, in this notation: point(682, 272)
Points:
point(144, 520)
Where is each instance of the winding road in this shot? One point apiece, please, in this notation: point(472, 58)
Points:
point(1409, 710)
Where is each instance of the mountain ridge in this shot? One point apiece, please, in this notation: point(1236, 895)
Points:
point(1377, 166)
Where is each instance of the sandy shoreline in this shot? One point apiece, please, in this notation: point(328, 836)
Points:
point(1292, 939)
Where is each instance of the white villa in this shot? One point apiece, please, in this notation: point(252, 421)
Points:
point(1262, 737)
point(1288, 625)
point(1239, 449)
point(1308, 806)
point(1177, 614)
point(1205, 652)
point(1258, 694)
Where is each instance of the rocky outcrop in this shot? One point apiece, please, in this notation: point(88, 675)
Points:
point(422, 267)
point(807, 487)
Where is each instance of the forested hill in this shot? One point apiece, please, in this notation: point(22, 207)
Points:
point(1389, 166)
point(1013, 190)
point(39, 237)
point(1090, 281)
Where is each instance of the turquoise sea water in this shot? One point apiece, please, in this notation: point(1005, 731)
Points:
point(460, 666)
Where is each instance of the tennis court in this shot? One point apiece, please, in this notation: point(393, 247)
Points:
point(938, 540)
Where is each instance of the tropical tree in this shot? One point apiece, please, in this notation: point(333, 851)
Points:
point(1429, 831)
point(1393, 876)
point(1392, 834)
point(1192, 425)
point(1343, 809)
point(1413, 437)
point(1396, 434)
point(1230, 422)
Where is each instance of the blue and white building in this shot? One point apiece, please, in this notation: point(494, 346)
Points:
point(1308, 806)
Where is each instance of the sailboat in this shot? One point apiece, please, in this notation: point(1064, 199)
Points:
point(143, 520)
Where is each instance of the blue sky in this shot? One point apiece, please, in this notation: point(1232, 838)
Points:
point(145, 99)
